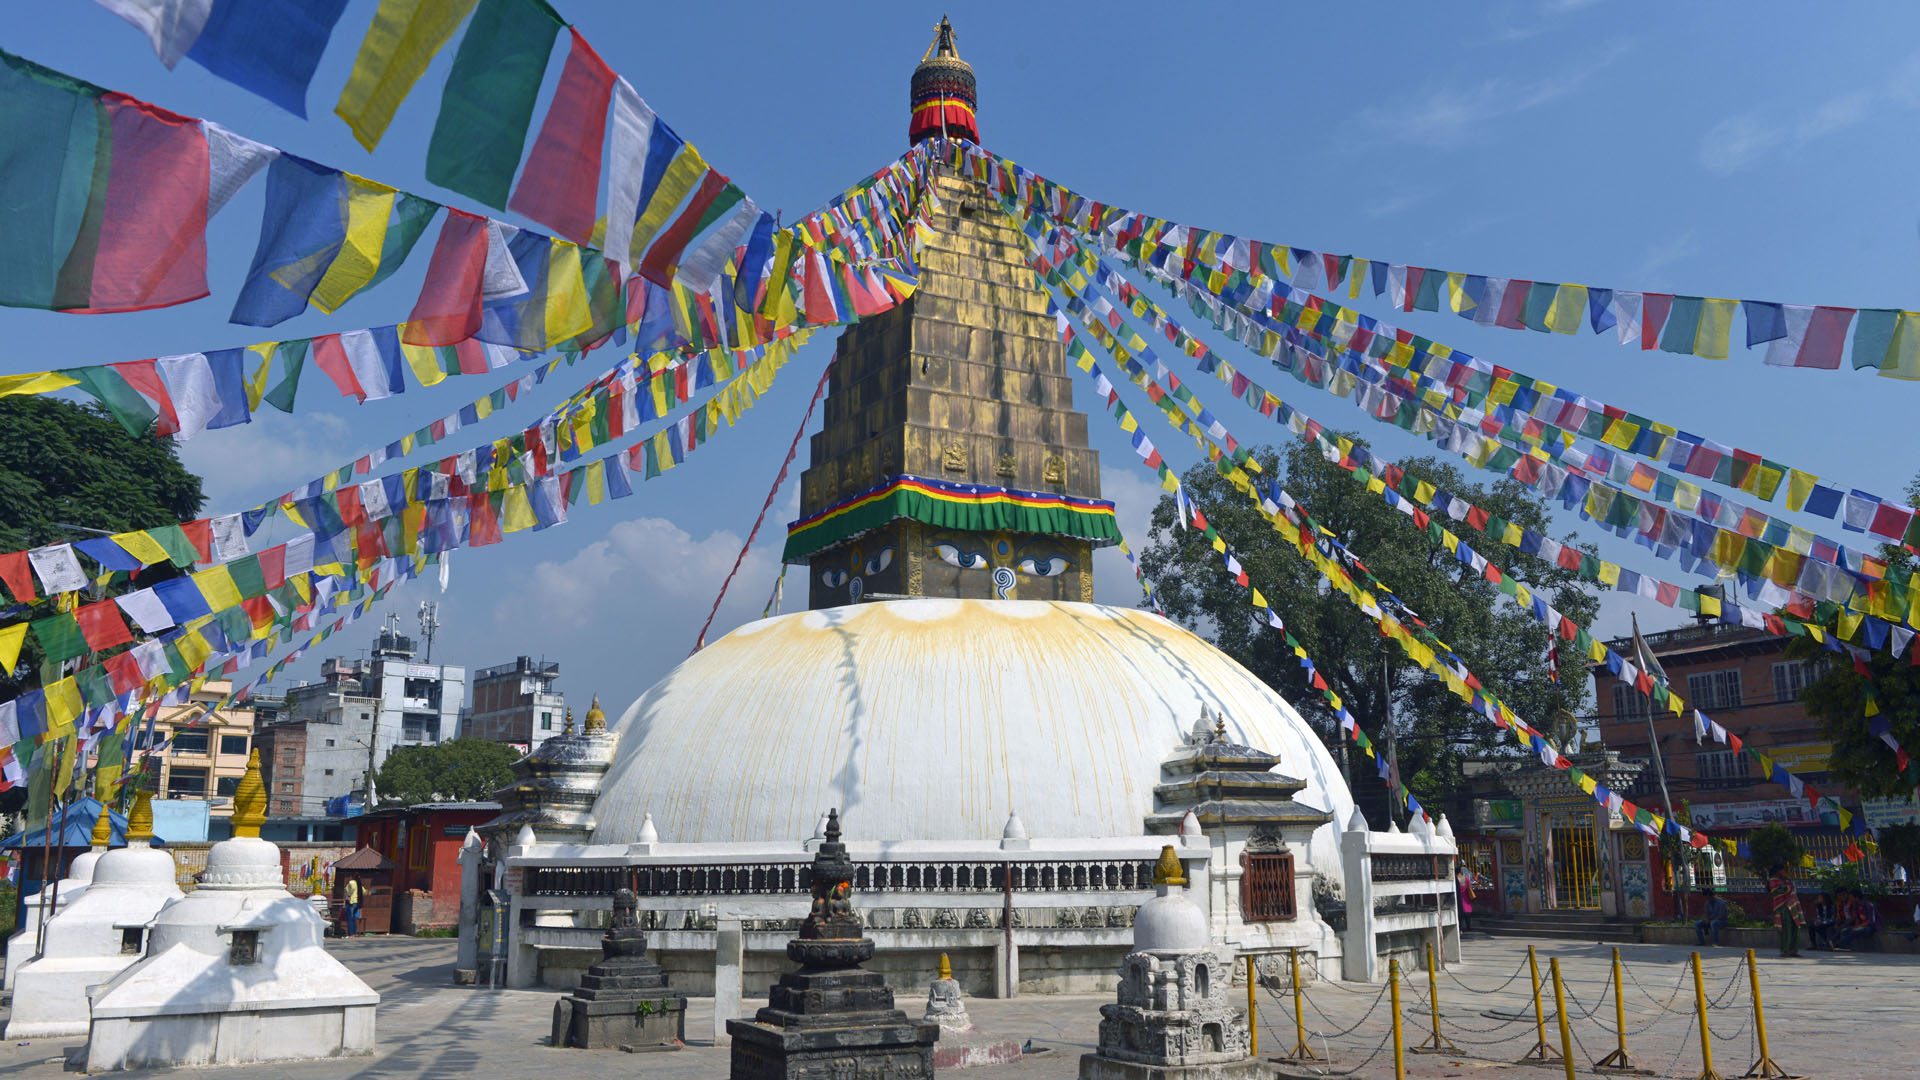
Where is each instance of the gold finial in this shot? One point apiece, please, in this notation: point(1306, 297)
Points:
point(1168, 870)
point(566, 726)
point(596, 720)
point(250, 799)
point(140, 821)
point(103, 829)
point(946, 968)
point(942, 42)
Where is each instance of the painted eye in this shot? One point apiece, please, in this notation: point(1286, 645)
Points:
point(833, 579)
point(880, 562)
point(1052, 567)
point(965, 560)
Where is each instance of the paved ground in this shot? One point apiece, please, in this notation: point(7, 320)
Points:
point(1831, 1017)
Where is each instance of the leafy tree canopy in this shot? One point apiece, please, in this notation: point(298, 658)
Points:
point(1504, 646)
point(458, 770)
point(63, 463)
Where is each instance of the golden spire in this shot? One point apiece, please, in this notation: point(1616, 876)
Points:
point(1168, 870)
point(103, 829)
point(942, 42)
point(596, 720)
point(946, 968)
point(140, 821)
point(566, 727)
point(250, 799)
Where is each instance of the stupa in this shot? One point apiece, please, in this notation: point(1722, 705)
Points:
point(234, 973)
point(830, 1020)
point(1174, 1017)
point(97, 935)
point(51, 901)
point(554, 786)
point(624, 1000)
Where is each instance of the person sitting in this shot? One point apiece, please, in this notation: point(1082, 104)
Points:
point(1865, 925)
point(1712, 920)
point(1820, 933)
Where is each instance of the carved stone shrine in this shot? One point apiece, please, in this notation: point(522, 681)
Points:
point(624, 1000)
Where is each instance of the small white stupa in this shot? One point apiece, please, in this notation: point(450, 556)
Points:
point(97, 935)
point(21, 946)
point(234, 973)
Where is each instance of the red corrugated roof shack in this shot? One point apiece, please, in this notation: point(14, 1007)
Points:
point(424, 843)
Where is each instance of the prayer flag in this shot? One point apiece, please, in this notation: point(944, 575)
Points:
point(489, 97)
point(663, 257)
point(562, 175)
point(269, 47)
point(402, 40)
point(448, 310)
point(103, 198)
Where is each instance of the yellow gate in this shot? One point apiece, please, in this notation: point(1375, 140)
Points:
point(1575, 877)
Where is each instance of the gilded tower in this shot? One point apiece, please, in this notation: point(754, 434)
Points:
point(952, 461)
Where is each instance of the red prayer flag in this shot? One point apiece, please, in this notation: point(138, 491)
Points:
point(124, 671)
point(448, 310)
point(1654, 308)
point(664, 256)
point(1513, 304)
point(562, 175)
point(1826, 338)
point(15, 571)
point(472, 357)
point(102, 625)
point(140, 375)
point(200, 535)
point(273, 566)
point(332, 358)
point(153, 221)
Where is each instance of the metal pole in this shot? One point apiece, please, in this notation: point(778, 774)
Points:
point(1560, 1011)
point(1766, 1068)
point(1393, 742)
point(1301, 1051)
point(1006, 921)
point(1435, 1043)
point(1706, 1039)
point(1659, 763)
point(1541, 1052)
point(1619, 1058)
point(1399, 1052)
point(1253, 1013)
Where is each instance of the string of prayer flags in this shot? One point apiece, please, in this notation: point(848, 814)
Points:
point(325, 236)
point(268, 47)
point(488, 101)
point(103, 198)
point(561, 177)
point(402, 40)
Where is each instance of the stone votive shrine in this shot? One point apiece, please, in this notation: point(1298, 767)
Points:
point(962, 1045)
point(1174, 1018)
point(623, 1002)
point(830, 1020)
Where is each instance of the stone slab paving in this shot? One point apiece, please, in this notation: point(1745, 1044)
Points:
point(1829, 1016)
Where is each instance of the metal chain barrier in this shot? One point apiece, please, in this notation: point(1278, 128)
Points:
point(1517, 969)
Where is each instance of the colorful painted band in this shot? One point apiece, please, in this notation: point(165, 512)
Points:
point(966, 507)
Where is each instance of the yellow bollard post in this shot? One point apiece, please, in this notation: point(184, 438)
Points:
point(1435, 1043)
point(1301, 1051)
point(1618, 1060)
point(1706, 1037)
point(1766, 1068)
point(1253, 1013)
point(1399, 1052)
point(1560, 1012)
point(1541, 1052)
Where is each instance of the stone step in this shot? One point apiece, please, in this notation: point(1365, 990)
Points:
point(1593, 928)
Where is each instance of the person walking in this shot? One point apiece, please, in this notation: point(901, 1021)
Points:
point(1786, 910)
point(353, 906)
point(1712, 920)
point(1463, 882)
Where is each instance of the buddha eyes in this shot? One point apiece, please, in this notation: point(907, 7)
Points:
point(965, 560)
point(879, 562)
point(1050, 567)
point(833, 579)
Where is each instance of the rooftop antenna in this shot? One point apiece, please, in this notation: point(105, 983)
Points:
point(429, 622)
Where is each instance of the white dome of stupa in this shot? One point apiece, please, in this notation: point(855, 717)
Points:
point(936, 719)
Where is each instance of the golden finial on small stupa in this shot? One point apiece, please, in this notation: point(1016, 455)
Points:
point(103, 830)
point(596, 719)
point(250, 799)
point(1168, 870)
point(566, 726)
point(140, 821)
point(946, 968)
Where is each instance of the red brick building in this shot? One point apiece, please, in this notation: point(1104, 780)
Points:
point(423, 842)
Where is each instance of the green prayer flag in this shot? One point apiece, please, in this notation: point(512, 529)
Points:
point(60, 638)
point(125, 403)
point(489, 98)
point(1683, 325)
point(293, 357)
point(247, 576)
point(179, 548)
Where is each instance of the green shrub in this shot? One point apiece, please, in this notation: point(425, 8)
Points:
point(1772, 845)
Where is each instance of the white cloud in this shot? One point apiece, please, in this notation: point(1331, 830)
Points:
point(1662, 255)
point(1394, 204)
point(241, 466)
point(1740, 140)
point(1446, 117)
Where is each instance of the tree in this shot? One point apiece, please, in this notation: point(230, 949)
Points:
point(458, 770)
point(62, 464)
point(1838, 697)
point(1900, 844)
point(1772, 845)
point(1504, 646)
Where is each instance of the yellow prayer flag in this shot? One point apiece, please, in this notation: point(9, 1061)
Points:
point(568, 312)
point(1423, 492)
point(1609, 574)
point(1356, 273)
point(216, 584)
point(257, 382)
point(10, 639)
point(1569, 308)
point(369, 206)
point(1716, 323)
point(403, 39)
point(425, 362)
point(194, 649)
point(596, 482)
point(142, 547)
point(37, 382)
point(516, 512)
point(63, 703)
point(1457, 298)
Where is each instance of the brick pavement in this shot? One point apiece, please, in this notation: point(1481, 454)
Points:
point(1832, 1017)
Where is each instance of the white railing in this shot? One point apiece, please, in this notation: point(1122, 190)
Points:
point(1400, 891)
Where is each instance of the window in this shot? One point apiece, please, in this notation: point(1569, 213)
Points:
point(1630, 704)
point(233, 744)
point(186, 783)
point(1266, 887)
point(546, 721)
point(286, 786)
point(329, 772)
point(1721, 768)
point(189, 742)
point(366, 716)
point(225, 786)
point(329, 742)
point(1790, 678)
point(285, 806)
point(1712, 690)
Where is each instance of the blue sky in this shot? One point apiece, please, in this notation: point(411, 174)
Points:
point(1709, 150)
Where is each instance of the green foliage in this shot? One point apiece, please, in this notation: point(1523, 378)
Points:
point(63, 463)
point(458, 770)
point(1838, 700)
point(1901, 844)
point(1772, 845)
point(1851, 876)
point(9, 898)
point(1503, 645)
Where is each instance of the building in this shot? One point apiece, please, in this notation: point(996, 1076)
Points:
point(1008, 759)
point(330, 735)
point(516, 703)
point(423, 843)
point(203, 749)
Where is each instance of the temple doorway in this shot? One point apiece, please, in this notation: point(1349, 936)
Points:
point(1575, 873)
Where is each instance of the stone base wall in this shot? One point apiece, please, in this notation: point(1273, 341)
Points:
point(416, 910)
point(909, 972)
